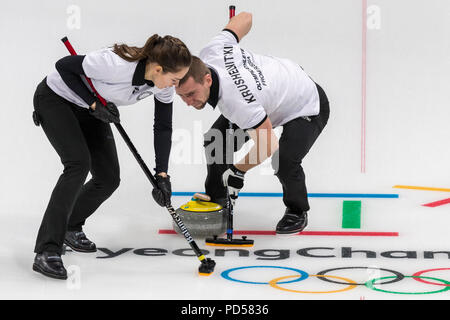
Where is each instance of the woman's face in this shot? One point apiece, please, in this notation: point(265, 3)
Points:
point(163, 80)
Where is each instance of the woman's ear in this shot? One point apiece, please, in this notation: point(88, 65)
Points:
point(158, 69)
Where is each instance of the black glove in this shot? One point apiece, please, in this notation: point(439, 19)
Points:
point(163, 193)
point(233, 179)
point(108, 113)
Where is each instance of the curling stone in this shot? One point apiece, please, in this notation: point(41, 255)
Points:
point(202, 218)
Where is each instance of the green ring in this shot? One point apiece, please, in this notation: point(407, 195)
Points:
point(369, 284)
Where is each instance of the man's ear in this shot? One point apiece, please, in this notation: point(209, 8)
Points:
point(207, 79)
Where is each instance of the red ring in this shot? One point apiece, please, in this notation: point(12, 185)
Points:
point(419, 273)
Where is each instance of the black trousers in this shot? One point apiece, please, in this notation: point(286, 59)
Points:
point(295, 142)
point(84, 144)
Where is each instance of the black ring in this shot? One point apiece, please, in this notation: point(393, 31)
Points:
point(399, 275)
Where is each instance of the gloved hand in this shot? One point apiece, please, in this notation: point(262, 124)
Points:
point(163, 193)
point(108, 113)
point(233, 179)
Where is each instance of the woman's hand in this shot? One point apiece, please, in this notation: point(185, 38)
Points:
point(163, 192)
point(108, 113)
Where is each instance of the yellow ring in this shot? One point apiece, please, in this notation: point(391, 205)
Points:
point(273, 283)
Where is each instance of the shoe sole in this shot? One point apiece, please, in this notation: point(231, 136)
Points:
point(78, 249)
point(47, 274)
point(290, 232)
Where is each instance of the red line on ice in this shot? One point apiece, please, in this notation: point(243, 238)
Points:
point(305, 233)
point(437, 203)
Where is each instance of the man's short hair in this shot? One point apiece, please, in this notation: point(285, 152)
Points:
point(197, 70)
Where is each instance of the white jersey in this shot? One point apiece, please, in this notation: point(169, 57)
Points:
point(254, 86)
point(114, 78)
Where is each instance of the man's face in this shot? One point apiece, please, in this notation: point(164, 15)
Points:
point(195, 94)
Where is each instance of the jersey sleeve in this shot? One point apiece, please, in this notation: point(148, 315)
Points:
point(248, 118)
point(216, 44)
point(245, 114)
point(104, 65)
point(226, 36)
point(166, 95)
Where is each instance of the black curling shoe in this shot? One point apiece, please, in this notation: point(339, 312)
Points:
point(78, 242)
point(292, 222)
point(50, 264)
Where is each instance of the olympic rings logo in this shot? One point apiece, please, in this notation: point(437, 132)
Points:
point(302, 275)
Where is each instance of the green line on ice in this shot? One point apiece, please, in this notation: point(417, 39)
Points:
point(351, 215)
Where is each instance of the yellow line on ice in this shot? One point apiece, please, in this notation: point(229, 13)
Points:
point(422, 188)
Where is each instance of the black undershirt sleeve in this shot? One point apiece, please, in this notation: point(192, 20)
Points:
point(70, 69)
point(162, 131)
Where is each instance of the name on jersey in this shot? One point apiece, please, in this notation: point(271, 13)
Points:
point(235, 75)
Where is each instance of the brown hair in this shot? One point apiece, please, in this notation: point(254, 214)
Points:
point(169, 52)
point(197, 70)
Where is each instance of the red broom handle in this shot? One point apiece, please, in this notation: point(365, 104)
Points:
point(73, 53)
point(232, 11)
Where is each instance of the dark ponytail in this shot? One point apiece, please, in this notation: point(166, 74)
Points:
point(169, 52)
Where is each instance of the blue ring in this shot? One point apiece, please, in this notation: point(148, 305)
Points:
point(303, 274)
